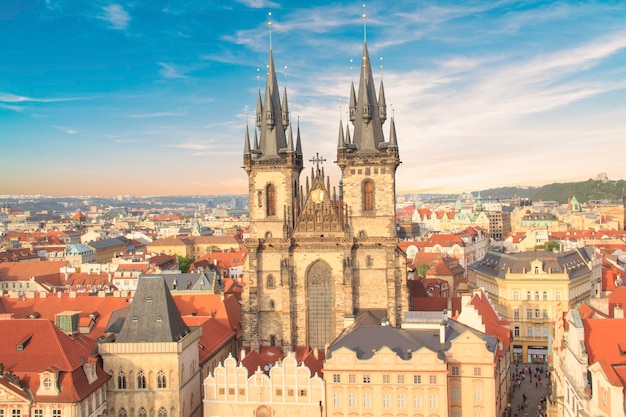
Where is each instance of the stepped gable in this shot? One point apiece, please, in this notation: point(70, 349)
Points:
point(153, 315)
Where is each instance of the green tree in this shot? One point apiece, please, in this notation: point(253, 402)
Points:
point(422, 270)
point(184, 262)
point(552, 245)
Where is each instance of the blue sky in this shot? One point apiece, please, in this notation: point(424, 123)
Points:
point(149, 98)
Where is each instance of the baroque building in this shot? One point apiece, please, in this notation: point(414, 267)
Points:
point(316, 258)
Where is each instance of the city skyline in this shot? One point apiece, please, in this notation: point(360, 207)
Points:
point(117, 98)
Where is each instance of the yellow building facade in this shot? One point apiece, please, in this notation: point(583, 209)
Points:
point(528, 289)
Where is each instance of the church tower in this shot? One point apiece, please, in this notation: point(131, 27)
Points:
point(316, 258)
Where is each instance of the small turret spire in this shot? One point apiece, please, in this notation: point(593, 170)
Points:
point(285, 109)
point(393, 141)
point(352, 104)
point(382, 103)
point(246, 144)
point(342, 141)
point(256, 141)
point(290, 141)
point(259, 110)
point(348, 138)
point(298, 141)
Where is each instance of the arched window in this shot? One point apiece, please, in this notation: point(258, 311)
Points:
point(272, 304)
point(270, 207)
point(121, 380)
point(270, 281)
point(161, 380)
point(368, 196)
point(162, 412)
point(141, 380)
point(537, 295)
point(142, 412)
point(122, 413)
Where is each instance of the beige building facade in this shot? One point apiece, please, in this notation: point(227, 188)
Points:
point(153, 358)
point(440, 368)
point(528, 289)
point(288, 389)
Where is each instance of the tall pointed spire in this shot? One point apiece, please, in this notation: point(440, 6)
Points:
point(273, 138)
point(348, 138)
point(368, 133)
point(256, 141)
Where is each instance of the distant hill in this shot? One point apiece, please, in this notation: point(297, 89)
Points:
point(584, 191)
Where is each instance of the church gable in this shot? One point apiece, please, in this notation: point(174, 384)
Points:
point(320, 213)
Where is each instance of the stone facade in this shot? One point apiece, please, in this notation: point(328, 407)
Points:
point(315, 257)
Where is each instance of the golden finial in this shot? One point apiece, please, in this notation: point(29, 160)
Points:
point(258, 78)
point(340, 110)
point(381, 67)
point(285, 75)
point(351, 73)
point(364, 25)
point(269, 25)
point(245, 110)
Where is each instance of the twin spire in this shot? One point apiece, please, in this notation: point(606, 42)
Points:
point(272, 122)
point(367, 114)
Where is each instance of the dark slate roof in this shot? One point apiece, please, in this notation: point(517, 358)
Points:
point(153, 315)
point(201, 281)
point(364, 340)
point(108, 243)
point(576, 262)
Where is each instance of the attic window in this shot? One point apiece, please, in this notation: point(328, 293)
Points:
point(135, 318)
point(159, 318)
point(47, 383)
point(149, 299)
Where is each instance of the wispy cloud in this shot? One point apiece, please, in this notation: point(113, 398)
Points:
point(189, 145)
point(12, 98)
point(12, 107)
point(117, 17)
point(169, 71)
point(259, 4)
point(158, 114)
point(67, 130)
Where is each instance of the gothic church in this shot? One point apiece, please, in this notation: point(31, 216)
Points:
point(318, 257)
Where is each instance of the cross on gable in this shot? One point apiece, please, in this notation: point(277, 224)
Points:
point(317, 160)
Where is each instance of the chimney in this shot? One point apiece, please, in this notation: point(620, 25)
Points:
point(442, 332)
point(618, 312)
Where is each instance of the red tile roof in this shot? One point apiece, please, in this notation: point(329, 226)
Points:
point(494, 326)
point(48, 307)
point(24, 271)
point(47, 347)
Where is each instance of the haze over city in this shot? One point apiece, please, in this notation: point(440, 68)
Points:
point(107, 98)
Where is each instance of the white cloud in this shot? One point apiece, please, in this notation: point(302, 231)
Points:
point(116, 16)
point(67, 130)
point(157, 114)
point(12, 98)
point(259, 4)
point(169, 71)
